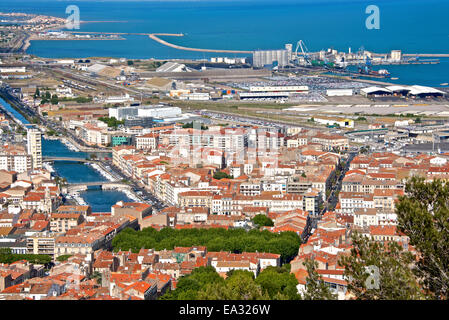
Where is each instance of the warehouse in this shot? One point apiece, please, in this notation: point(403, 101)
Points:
point(375, 91)
point(399, 90)
point(264, 95)
point(278, 88)
point(339, 92)
point(422, 92)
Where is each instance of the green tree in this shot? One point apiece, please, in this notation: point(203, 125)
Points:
point(316, 289)
point(36, 93)
point(423, 215)
point(215, 239)
point(111, 122)
point(238, 286)
point(97, 276)
point(392, 279)
point(189, 286)
point(54, 99)
point(63, 257)
point(191, 124)
point(262, 220)
point(279, 283)
point(222, 175)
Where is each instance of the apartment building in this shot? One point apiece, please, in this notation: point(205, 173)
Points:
point(148, 141)
point(62, 222)
point(41, 243)
point(195, 199)
point(15, 158)
point(34, 146)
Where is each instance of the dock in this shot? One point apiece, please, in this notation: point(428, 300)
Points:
point(155, 37)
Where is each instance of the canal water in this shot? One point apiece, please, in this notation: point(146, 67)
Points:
point(99, 200)
point(13, 111)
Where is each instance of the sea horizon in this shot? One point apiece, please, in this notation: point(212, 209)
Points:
point(242, 25)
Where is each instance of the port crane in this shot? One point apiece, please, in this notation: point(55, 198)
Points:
point(366, 67)
point(304, 50)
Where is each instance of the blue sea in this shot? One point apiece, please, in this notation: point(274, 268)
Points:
point(409, 25)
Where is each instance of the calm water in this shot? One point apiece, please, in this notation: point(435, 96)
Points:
point(8, 107)
point(99, 200)
point(410, 25)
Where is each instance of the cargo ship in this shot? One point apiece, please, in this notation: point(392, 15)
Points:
point(382, 73)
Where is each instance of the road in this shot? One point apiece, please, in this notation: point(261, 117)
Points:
point(106, 165)
point(93, 81)
point(335, 189)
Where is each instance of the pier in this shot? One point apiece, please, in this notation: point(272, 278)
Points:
point(155, 37)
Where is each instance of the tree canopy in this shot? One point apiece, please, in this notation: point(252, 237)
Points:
point(316, 289)
point(205, 283)
point(423, 215)
point(215, 239)
point(377, 271)
point(6, 256)
point(222, 175)
point(190, 125)
point(111, 122)
point(263, 221)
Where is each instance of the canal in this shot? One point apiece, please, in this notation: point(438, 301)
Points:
point(74, 172)
point(99, 200)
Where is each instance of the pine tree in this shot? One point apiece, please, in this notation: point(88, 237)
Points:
point(377, 271)
point(423, 215)
point(316, 289)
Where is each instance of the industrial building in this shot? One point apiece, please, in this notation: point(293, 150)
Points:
point(260, 95)
point(172, 67)
point(374, 91)
point(278, 88)
point(121, 113)
point(414, 91)
point(263, 58)
point(158, 111)
point(339, 92)
point(332, 121)
point(144, 122)
point(150, 111)
point(198, 96)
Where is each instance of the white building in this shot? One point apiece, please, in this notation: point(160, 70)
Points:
point(34, 146)
point(267, 57)
point(119, 99)
point(16, 162)
point(158, 112)
point(339, 92)
point(278, 88)
point(198, 96)
point(147, 141)
point(121, 113)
